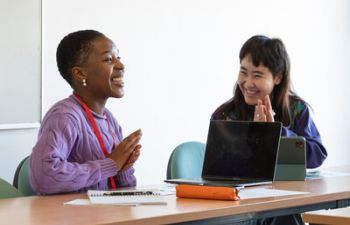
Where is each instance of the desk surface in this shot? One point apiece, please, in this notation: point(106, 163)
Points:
point(49, 210)
point(333, 217)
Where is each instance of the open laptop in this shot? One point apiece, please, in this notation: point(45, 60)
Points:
point(291, 159)
point(238, 153)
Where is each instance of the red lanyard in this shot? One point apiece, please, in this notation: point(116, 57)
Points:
point(97, 133)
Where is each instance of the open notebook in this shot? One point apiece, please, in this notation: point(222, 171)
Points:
point(126, 197)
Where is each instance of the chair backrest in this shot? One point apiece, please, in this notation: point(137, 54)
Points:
point(21, 179)
point(7, 190)
point(186, 160)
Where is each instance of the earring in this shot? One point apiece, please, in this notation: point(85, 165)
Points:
point(84, 83)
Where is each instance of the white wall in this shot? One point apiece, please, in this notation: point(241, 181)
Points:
point(20, 81)
point(181, 60)
point(15, 145)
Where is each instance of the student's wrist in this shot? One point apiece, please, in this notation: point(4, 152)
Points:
point(109, 168)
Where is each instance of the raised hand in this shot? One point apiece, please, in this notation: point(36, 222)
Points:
point(263, 111)
point(133, 157)
point(127, 152)
point(269, 111)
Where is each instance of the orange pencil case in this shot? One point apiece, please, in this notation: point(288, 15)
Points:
point(206, 192)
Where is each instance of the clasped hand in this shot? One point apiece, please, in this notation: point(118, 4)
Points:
point(128, 151)
point(263, 111)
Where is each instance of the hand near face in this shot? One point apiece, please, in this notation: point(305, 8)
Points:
point(128, 151)
point(264, 112)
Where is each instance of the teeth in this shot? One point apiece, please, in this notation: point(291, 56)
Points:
point(250, 92)
point(118, 79)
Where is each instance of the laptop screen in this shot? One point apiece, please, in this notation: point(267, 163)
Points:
point(241, 149)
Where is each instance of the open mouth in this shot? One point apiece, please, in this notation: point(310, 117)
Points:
point(119, 81)
point(251, 93)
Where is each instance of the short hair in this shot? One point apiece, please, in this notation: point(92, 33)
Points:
point(74, 50)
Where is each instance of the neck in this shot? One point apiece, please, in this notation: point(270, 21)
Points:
point(95, 104)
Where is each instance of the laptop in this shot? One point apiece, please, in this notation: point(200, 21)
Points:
point(238, 154)
point(291, 159)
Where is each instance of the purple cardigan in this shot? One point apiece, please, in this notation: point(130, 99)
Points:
point(67, 156)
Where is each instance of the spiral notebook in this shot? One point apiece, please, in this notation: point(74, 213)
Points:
point(126, 197)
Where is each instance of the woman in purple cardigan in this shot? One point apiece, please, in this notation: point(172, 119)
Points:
point(263, 93)
point(80, 144)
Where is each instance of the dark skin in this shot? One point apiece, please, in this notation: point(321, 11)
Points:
point(103, 73)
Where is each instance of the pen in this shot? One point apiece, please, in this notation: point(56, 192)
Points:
point(132, 193)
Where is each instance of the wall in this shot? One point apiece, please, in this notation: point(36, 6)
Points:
point(20, 70)
point(181, 62)
point(20, 81)
point(15, 145)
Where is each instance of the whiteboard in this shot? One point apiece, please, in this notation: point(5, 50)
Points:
point(20, 64)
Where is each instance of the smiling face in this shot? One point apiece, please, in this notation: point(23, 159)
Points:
point(255, 82)
point(103, 70)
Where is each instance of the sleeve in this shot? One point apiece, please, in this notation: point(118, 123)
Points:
point(305, 127)
point(51, 171)
point(125, 178)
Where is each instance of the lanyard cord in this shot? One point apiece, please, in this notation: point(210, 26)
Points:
point(98, 134)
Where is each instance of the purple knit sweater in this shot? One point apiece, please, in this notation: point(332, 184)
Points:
point(68, 157)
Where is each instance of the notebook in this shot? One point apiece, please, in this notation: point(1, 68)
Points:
point(126, 197)
point(238, 153)
point(291, 159)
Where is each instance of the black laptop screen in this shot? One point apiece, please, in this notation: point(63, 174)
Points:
point(241, 149)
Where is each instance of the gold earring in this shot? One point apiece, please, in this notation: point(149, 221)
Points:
point(84, 83)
